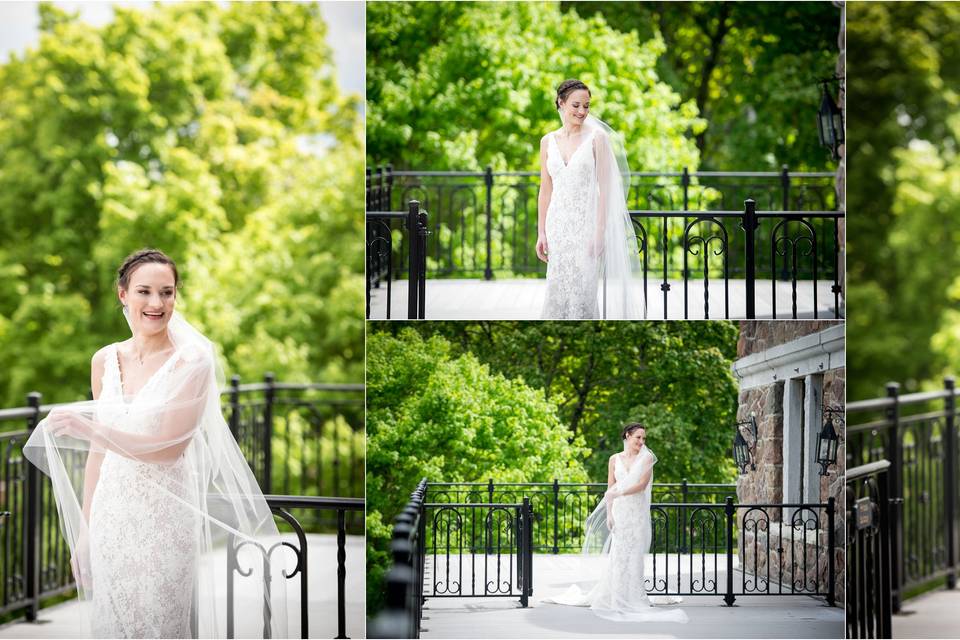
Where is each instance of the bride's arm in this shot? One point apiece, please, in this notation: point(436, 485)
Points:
point(543, 202)
point(174, 433)
point(641, 483)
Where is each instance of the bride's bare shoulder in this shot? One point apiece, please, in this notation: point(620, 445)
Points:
point(101, 355)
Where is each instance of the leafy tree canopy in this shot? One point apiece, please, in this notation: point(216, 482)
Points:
point(216, 133)
point(751, 69)
point(902, 257)
point(463, 85)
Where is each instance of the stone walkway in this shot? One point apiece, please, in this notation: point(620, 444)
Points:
point(62, 620)
point(522, 299)
point(751, 617)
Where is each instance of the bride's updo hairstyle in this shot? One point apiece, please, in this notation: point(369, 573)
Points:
point(630, 428)
point(138, 258)
point(567, 87)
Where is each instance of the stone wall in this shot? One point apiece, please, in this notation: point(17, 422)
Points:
point(770, 549)
point(760, 335)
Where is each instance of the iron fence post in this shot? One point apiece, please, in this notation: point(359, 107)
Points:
point(749, 230)
point(895, 456)
point(682, 525)
point(413, 279)
point(729, 598)
point(268, 397)
point(556, 516)
point(950, 481)
point(488, 181)
point(422, 233)
point(831, 550)
point(235, 407)
point(388, 197)
point(32, 522)
point(489, 521)
point(785, 187)
point(341, 576)
point(369, 183)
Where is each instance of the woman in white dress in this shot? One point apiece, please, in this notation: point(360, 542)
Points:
point(584, 232)
point(619, 530)
point(151, 487)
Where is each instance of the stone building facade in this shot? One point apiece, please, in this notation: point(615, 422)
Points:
point(788, 373)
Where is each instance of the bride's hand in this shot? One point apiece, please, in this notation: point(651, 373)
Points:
point(596, 247)
point(63, 422)
point(542, 248)
point(612, 494)
point(610, 521)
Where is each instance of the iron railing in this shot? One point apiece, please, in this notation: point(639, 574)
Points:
point(917, 434)
point(560, 508)
point(322, 423)
point(282, 506)
point(688, 232)
point(380, 245)
point(775, 548)
point(868, 593)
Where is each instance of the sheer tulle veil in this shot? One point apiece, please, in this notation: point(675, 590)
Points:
point(213, 492)
point(619, 265)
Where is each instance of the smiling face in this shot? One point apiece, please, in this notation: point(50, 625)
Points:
point(636, 440)
point(149, 298)
point(575, 108)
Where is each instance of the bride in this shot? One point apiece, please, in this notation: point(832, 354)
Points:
point(619, 529)
point(151, 487)
point(584, 232)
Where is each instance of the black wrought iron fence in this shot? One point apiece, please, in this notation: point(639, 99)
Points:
point(486, 222)
point(868, 592)
point(382, 247)
point(730, 550)
point(478, 549)
point(917, 434)
point(303, 439)
point(559, 509)
point(788, 235)
point(283, 507)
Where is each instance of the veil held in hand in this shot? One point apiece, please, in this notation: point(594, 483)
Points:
point(618, 265)
point(177, 460)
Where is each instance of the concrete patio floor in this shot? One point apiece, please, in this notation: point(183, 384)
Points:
point(522, 299)
point(62, 620)
point(751, 617)
point(932, 615)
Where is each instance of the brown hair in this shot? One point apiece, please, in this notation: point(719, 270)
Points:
point(630, 428)
point(138, 258)
point(567, 87)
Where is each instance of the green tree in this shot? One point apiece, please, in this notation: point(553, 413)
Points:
point(214, 132)
point(600, 375)
point(901, 250)
point(445, 416)
point(477, 83)
point(751, 69)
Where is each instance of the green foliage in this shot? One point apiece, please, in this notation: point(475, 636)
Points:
point(213, 132)
point(751, 69)
point(465, 85)
point(902, 258)
point(600, 375)
point(440, 415)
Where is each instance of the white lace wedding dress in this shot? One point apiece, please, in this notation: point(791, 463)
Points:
point(572, 272)
point(620, 594)
point(143, 552)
